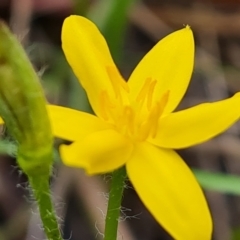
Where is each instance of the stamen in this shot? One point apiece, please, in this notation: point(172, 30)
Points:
point(157, 112)
point(116, 80)
point(102, 103)
point(106, 105)
point(150, 126)
point(164, 100)
point(150, 94)
point(146, 93)
point(144, 130)
point(143, 92)
point(155, 115)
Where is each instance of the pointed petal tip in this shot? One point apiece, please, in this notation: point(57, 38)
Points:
point(188, 27)
point(197, 124)
point(176, 49)
point(188, 30)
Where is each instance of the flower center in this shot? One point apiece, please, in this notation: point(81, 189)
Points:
point(137, 120)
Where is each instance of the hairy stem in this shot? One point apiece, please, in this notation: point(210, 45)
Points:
point(41, 191)
point(114, 204)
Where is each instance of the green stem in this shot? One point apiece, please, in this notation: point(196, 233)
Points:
point(41, 191)
point(114, 204)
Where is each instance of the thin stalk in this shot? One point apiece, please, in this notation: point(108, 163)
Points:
point(114, 204)
point(41, 191)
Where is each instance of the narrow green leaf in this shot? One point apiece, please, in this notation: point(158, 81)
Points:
point(111, 18)
point(220, 182)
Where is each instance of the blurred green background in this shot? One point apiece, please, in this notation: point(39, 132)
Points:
point(131, 28)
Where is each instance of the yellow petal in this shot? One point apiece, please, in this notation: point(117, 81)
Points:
point(99, 152)
point(197, 124)
point(71, 124)
point(170, 192)
point(170, 62)
point(87, 53)
point(1, 121)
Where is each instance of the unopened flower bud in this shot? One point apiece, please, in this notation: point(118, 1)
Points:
point(23, 106)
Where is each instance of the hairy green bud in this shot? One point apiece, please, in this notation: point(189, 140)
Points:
point(23, 106)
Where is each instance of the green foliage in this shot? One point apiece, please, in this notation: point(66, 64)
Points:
point(220, 182)
point(111, 20)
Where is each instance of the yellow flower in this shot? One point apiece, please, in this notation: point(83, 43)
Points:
point(134, 124)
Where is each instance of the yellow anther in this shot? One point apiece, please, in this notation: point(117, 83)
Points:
point(155, 115)
point(131, 121)
point(102, 105)
point(144, 91)
point(144, 130)
point(164, 100)
point(150, 126)
point(106, 105)
point(150, 94)
point(157, 112)
point(117, 81)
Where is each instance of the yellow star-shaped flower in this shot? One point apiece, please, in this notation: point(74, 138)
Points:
point(135, 124)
